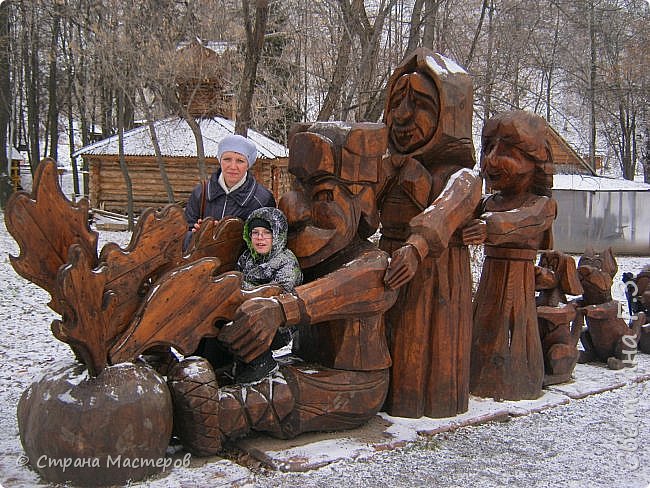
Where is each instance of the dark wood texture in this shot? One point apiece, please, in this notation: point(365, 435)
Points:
point(155, 246)
point(183, 307)
point(45, 224)
point(428, 193)
point(556, 276)
point(221, 239)
point(102, 426)
point(507, 358)
point(607, 338)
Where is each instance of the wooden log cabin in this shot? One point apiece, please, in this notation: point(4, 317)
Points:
point(200, 87)
point(566, 160)
point(107, 190)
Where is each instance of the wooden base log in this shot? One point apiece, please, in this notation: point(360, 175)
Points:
point(297, 399)
point(96, 431)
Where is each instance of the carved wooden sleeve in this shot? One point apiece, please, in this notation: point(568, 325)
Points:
point(345, 297)
point(453, 208)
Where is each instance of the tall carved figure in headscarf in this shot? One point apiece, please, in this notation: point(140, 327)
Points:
point(429, 193)
point(507, 360)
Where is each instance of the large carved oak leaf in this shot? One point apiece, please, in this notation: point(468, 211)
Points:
point(45, 224)
point(85, 323)
point(218, 238)
point(183, 307)
point(156, 246)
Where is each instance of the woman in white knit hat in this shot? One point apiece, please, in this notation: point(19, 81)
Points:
point(231, 191)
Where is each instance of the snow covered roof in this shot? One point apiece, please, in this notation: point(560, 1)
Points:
point(596, 183)
point(16, 155)
point(177, 140)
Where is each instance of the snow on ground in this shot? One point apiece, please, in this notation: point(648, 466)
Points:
point(594, 442)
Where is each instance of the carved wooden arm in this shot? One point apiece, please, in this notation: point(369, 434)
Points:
point(431, 230)
point(356, 289)
point(520, 226)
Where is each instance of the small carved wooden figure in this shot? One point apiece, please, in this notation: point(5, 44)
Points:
point(555, 277)
point(507, 361)
point(429, 192)
point(608, 338)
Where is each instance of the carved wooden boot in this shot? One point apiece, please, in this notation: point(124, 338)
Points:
point(206, 415)
point(195, 394)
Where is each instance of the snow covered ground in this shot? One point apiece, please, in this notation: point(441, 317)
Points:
point(597, 441)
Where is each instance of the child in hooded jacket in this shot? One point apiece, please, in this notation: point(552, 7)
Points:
point(265, 261)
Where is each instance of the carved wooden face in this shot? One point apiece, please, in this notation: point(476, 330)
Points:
point(596, 271)
point(323, 217)
point(506, 168)
point(414, 108)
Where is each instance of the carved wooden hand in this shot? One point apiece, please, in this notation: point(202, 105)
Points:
point(253, 328)
point(403, 266)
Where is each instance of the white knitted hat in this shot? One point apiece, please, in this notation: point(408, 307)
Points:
point(238, 144)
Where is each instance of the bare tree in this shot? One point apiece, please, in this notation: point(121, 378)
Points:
point(254, 42)
point(5, 88)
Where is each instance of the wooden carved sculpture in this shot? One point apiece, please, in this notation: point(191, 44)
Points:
point(507, 361)
point(428, 193)
point(608, 338)
point(555, 277)
point(98, 298)
point(338, 311)
point(638, 298)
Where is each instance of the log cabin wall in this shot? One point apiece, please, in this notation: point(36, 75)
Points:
point(108, 191)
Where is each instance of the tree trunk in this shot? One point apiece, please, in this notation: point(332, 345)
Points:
point(591, 90)
point(53, 108)
point(32, 78)
point(5, 89)
point(69, 56)
point(123, 166)
point(254, 44)
point(415, 26)
point(430, 18)
point(477, 33)
point(338, 78)
point(645, 156)
point(198, 137)
point(156, 147)
point(628, 127)
point(107, 110)
point(365, 86)
point(487, 97)
point(73, 159)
